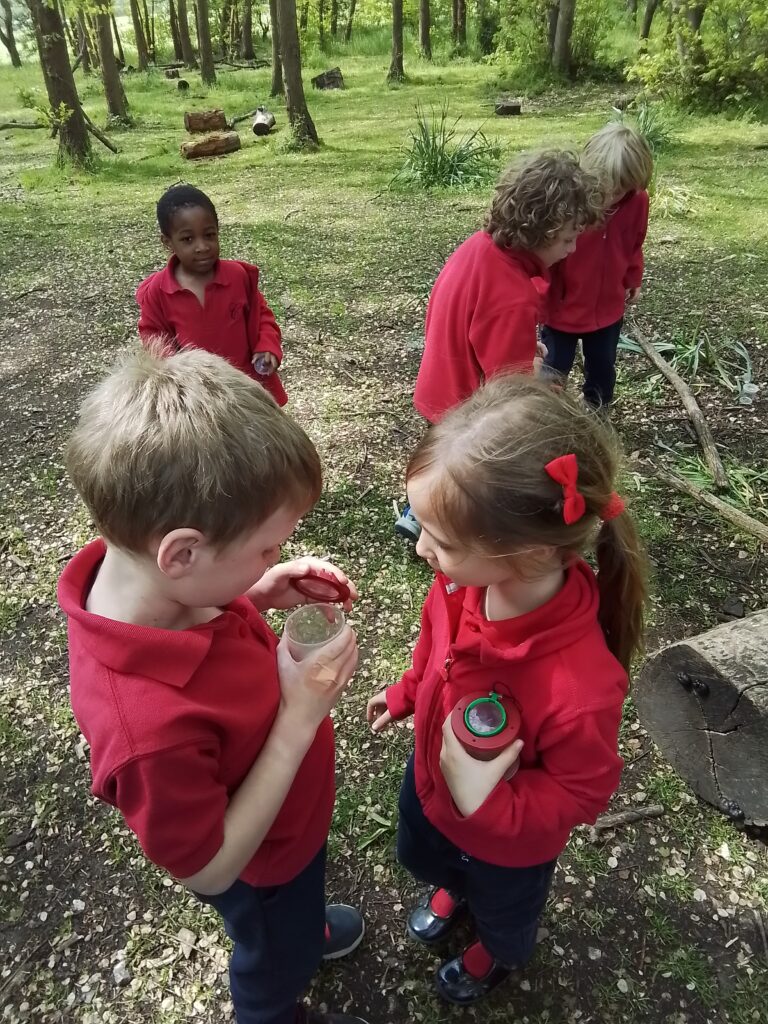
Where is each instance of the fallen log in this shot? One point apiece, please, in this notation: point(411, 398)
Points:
point(263, 122)
point(205, 121)
point(332, 79)
point(704, 702)
point(20, 124)
point(695, 415)
point(508, 108)
point(212, 145)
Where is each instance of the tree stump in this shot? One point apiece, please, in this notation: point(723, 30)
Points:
point(263, 122)
point(211, 145)
point(332, 79)
point(205, 121)
point(171, 72)
point(705, 703)
point(508, 108)
point(182, 85)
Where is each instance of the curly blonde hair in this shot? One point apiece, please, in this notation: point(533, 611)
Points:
point(538, 197)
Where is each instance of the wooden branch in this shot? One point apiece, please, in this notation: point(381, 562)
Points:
point(695, 414)
point(628, 817)
point(740, 519)
point(20, 124)
point(242, 117)
point(97, 133)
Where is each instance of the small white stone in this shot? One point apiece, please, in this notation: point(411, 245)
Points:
point(594, 954)
point(622, 985)
point(121, 974)
point(699, 895)
point(78, 906)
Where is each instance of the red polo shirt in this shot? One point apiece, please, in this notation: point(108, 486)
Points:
point(235, 321)
point(176, 718)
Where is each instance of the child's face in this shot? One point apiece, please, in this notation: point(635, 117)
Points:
point(194, 239)
point(562, 245)
point(444, 554)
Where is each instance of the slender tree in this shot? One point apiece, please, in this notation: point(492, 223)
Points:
point(118, 43)
point(93, 38)
point(149, 31)
point(74, 142)
point(396, 72)
point(84, 49)
point(334, 18)
point(302, 125)
point(277, 88)
point(561, 54)
point(142, 53)
point(187, 51)
point(246, 32)
point(207, 68)
point(304, 18)
point(7, 37)
point(648, 13)
point(350, 19)
point(461, 23)
point(175, 37)
point(71, 41)
point(425, 27)
point(321, 23)
point(117, 104)
point(455, 20)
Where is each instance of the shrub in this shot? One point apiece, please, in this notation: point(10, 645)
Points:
point(438, 159)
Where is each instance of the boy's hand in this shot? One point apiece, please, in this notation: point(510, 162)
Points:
point(471, 781)
point(264, 363)
point(310, 688)
point(376, 713)
point(275, 589)
point(633, 295)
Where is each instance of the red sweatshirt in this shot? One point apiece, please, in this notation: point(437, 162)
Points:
point(569, 688)
point(234, 323)
point(481, 318)
point(588, 289)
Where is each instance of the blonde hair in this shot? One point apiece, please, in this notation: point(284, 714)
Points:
point(492, 490)
point(619, 155)
point(186, 440)
point(539, 196)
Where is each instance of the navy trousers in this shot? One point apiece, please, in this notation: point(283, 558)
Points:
point(279, 936)
point(599, 348)
point(506, 903)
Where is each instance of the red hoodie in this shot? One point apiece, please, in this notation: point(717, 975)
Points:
point(569, 688)
point(481, 318)
point(589, 287)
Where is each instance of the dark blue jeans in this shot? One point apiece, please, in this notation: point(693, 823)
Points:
point(506, 903)
point(278, 934)
point(599, 348)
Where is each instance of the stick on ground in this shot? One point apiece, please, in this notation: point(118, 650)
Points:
point(628, 817)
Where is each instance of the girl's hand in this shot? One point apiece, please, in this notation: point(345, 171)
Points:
point(264, 363)
point(376, 713)
point(311, 687)
point(470, 781)
point(633, 295)
point(275, 589)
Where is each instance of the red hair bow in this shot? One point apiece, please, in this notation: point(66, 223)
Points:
point(565, 471)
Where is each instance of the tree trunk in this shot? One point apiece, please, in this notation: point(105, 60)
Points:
point(234, 30)
point(632, 8)
point(173, 18)
point(118, 43)
point(74, 142)
point(277, 88)
point(187, 51)
point(350, 19)
point(695, 15)
point(321, 22)
point(224, 20)
point(334, 18)
point(650, 10)
point(303, 127)
point(561, 55)
point(461, 23)
point(246, 32)
point(6, 34)
point(82, 39)
point(553, 13)
point(142, 54)
point(455, 20)
point(93, 39)
point(117, 104)
point(705, 703)
point(67, 27)
point(304, 19)
point(207, 69)
point(396, 72)
point(149, 33)
point(425, 25)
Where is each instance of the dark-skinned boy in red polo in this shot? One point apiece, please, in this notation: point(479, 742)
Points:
point(212, 742)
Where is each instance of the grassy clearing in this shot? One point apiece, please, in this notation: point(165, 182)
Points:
point(653, 922)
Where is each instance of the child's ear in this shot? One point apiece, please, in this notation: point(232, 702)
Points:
point(166, 242)
point(179, 552)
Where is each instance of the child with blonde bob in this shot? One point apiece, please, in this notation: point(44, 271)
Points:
point(213, 743)
point(592, 287)
point(511, 488)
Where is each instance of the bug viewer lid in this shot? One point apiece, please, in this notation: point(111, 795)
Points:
point(322, 586)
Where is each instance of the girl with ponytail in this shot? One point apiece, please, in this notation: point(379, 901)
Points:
point(512, 488)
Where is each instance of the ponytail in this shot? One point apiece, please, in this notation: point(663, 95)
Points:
point(623, 586)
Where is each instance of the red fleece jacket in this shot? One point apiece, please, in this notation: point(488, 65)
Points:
point(569, 688)
point(481, 319)
point(589, 287)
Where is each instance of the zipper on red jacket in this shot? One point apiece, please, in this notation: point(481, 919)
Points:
point(447, 665)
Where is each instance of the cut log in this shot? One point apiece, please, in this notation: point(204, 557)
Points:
point(704, 702)
point(211, 145)
point(205, 121)
point(508, 108)
point(182, 85)
point(171, 72)
point(332, 79)
point(263, 122)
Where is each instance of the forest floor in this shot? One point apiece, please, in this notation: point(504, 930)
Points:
point(663, 921)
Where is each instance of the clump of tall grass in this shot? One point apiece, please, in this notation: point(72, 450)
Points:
point(439, 158)
point(653, 121)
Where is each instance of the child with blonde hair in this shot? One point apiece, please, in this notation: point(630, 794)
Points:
point(510, 489)
point(591, 288)
point(215, 745)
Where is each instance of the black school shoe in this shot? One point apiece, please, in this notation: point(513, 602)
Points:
point(305, 1016)
point(344, 931)
point(456, 985)
point(426, 926)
